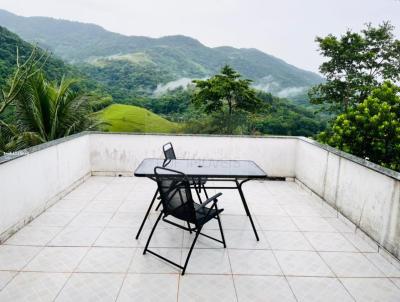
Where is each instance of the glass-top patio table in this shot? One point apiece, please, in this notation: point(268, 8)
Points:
point(237, 171)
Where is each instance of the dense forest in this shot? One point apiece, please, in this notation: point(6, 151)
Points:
point(106, 84)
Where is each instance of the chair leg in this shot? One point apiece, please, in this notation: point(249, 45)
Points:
point(220, 229)
point(158, 206)
point(147, 214)
point(205, 191)
point(191, 249)
point(197, 193)
point(151, 233)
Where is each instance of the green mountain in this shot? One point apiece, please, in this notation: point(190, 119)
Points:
point(146, 65)
point(9, 42)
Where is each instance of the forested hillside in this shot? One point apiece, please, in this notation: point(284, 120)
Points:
point(107, 83)
point(9, 42)
point(102, 53)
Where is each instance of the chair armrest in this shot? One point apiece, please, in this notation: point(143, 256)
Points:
point(213, 198)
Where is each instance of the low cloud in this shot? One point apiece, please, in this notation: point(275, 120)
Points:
point(291, 92)
point(268, 84)
point(163, 88)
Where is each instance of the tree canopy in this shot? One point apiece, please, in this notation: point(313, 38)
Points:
point(356, 64)
point(226, 93)
point(370, 129)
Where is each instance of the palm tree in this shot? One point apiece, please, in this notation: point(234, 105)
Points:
point(11, 139)
point(46, 111)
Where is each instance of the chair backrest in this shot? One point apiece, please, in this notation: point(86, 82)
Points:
point(169, 152)
point(175, 193)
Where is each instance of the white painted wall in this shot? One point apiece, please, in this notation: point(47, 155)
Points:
point(368, 198)
point(123, 153)
point(30, 184)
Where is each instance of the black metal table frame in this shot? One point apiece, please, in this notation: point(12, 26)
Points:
point(239, 183)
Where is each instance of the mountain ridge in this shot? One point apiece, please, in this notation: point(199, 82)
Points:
point(173, 57)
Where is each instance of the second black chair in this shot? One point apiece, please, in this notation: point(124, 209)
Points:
point(197, 183)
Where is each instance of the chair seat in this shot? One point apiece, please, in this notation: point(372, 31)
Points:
point(202, 214)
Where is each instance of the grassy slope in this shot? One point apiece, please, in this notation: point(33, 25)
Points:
point(126, 118)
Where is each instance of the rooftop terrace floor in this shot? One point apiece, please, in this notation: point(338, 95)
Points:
point(83, 249)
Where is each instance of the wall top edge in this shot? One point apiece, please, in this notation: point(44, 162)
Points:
point(358, 160)
point(21, 153)
point(363, 162)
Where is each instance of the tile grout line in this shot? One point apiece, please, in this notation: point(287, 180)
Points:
point(231, 275)
point(88, 248)
point(18, 272)
point(126, 274)
point(331, 269)
point(323, 260)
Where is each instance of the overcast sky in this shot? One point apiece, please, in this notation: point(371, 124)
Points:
point(283, 28)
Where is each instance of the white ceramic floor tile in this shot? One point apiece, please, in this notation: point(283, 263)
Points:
point(268, 209)
point(262, 288)
point(166, 238)
point(206, 288)
point(56, 259)
point(113, 193)
point(361, 244)
point(112, 210)
point(313, 224)
point(254, 262)
point(103, 206)
point(316, 289)
point(84, 193)
point(372, 289)
point(106, 260)
point(16, 257)
point(330, 242)
point(350, 264)
point(276, 223)
point(396, 281)
point(301, 210)
point(207, 261)
point(68, 205)
point(5, 277)
point(53, 219)
point(291, 241)
point(33, 287)
point(76, 236)
point(151, 264)
point(202, 241)
point(149, 288)
point(120, 237)
point(300, 263)
point(341, 226)
point(89, 219)
point(136, 206)
point(242, 239)
point(39, 236)
point(232, 222)
point(125, 219)
point(383, 265)
point(91, 288)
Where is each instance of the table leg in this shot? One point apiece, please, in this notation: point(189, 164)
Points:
point(246, 208)
point(147, 214)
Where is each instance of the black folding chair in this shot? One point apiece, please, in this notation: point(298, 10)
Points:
point(197, 183)
point(177, 201)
